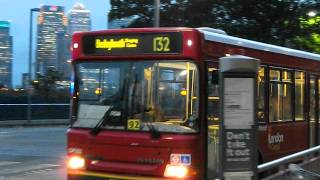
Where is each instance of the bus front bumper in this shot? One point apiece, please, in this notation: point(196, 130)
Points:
point(87, 175)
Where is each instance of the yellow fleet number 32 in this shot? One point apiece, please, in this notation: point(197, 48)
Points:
point(161, 44)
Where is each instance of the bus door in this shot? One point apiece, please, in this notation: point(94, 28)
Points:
point(213, 122)
point(313, 110)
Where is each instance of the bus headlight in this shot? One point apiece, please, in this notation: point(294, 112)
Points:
point(176, 171)
point(76, 162)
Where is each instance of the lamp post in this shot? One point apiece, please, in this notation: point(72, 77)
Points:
point(30, 64)
point(312, 13)
point(156, 22)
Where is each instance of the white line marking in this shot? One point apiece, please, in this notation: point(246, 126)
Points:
point(5, 163)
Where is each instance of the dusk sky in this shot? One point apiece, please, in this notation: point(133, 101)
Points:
point(18, 13)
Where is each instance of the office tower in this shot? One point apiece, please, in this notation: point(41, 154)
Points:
point(5, 55)
point(78, 19)
point(51, 21)
point(64, 55)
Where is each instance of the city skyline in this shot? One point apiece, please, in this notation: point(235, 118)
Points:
point(5, 55)
point(19, 29)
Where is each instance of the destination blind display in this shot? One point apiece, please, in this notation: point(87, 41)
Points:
point(164, 43)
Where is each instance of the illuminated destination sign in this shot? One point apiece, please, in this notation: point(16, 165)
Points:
point(155, 43)
point(116, 44)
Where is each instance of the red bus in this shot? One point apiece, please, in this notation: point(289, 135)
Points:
point(146, 102)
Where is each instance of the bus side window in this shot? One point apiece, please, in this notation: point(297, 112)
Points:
point(215, 77)
point(280, 95)
point(261, 95)
point(299, 95)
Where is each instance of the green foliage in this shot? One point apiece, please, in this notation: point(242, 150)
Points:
point(279, 22)
point(309, 22)
point(310, 40)
point(173, 13)
point(45, 84)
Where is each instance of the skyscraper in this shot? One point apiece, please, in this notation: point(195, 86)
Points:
point(79, 19)
point(51, 22)
point(63, 55)
point(5, 55)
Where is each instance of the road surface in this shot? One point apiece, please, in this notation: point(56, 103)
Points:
point(32, 153)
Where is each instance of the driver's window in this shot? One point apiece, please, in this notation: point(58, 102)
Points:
point(89, 82)
point(110, 81)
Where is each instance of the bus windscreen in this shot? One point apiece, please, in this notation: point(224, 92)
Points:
point(128, 44)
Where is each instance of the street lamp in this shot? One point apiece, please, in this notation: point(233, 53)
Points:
point(312, 13)
point(30, 64)
point(156, 22)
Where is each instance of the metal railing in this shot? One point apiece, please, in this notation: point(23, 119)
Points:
point(287, 159)
point(56, 104)
point(299, 172)
point(38, 111)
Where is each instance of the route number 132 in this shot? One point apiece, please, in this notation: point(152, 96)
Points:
point(161, 44)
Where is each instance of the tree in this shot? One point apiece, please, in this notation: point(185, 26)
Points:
point(310, 38)
point(191, 13)
point(271, 21)
point(275, 22)
point(45, 84)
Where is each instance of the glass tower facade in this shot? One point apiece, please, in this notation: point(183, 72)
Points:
point(5, 55)
point(51, 22)
point(78, 19)
point(63, 55)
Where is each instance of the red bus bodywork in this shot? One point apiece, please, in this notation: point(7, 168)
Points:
point(135, 155)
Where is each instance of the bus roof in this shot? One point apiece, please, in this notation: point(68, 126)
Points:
point(219, 36)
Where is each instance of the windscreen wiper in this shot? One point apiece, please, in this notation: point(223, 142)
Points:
point(106, 117)
point(155, 134)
